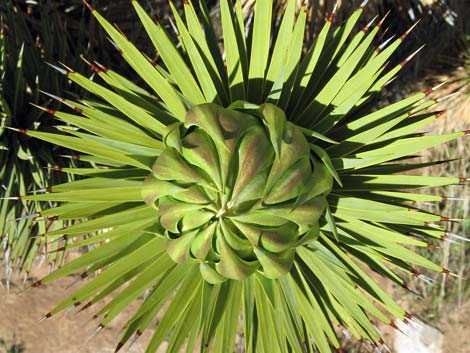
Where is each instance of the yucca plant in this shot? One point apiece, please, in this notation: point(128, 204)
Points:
point(33, 34)
point(25, 162)
point(245, 191)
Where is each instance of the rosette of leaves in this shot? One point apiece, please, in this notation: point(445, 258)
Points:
point(237, 192)
point(246, 190)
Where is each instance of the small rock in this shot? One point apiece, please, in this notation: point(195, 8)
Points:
point(417, 337)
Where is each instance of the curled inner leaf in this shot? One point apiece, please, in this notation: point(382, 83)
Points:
point(233, 196)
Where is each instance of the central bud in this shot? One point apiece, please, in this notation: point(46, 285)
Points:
point(237, 191)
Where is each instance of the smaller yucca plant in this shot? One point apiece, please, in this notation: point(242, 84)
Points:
point(252, 188)
point(25, 162)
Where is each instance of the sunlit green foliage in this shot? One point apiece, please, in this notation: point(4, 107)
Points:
point(180, 144)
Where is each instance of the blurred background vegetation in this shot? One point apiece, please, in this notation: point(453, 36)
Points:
point(35, 33)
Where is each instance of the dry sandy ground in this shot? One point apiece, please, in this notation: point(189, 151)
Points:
point(20, 314)
point(456, 330)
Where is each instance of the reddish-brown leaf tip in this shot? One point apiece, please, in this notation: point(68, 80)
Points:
point(95, 68)
point(411, 56)
point(447, 219)
point(404, 35)
point(78, 110)
point(86, 306)
point(332, 14)
point(84, 275)
point(36, 284)
point(118, 347)
point(21, 131)
point(101, 66)
point(51, 111)
point(68, 68)
point(48, 315)
point(87, 4)
point(368, 25)
point(445, 271)
point(427, 91)
point(381, 22)
point(432, 89)
point(393, 325)
point(463, 180)
point(45, 109)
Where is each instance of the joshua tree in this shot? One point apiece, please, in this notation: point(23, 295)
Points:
point(249, 188)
